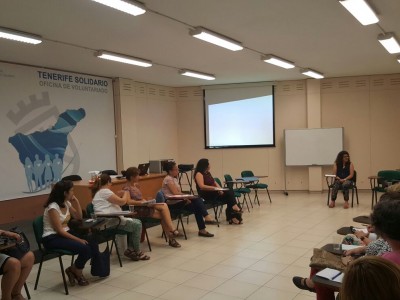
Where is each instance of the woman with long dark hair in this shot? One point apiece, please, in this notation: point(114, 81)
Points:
point(105, 201)
point(343, 168)
point(61, 205)
point(208, 189)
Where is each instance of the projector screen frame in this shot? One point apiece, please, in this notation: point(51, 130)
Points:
point(239, 146)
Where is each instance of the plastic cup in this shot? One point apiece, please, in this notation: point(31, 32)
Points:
point(93, 216)
point(131, 208)
point(337, 242)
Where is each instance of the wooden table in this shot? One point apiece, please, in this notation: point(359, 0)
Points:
point(149, 186)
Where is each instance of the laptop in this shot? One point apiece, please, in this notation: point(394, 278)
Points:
point(143, 168)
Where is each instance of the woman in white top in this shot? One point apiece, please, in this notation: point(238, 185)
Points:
point(105, 201)
point(61, 205)
point(158, 210)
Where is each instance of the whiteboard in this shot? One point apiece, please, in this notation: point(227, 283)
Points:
point(312, 147)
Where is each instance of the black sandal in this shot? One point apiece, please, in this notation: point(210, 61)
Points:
point(71, 276)
point(301, 283)
point(173, 243)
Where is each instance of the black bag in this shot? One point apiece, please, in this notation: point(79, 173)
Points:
point(100, 263)
point(22, 247)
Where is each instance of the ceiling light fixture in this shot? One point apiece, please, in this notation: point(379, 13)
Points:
point(277, 61)
point(124, 59)
point(215, 38)
point(312, 73)
point(390, 43)
point(20, 36)
point(361, 10)
point(128, 6)
point(196, 74)
point(398, 59)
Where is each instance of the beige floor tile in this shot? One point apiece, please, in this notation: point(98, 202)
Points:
point(182, 292)
point(101, 292)
point(282, 283)
point(218, 296)
point(223, 271)
point(196, 266)
point(238, 261)
point(268, 267)
point(236, 288)
point(154, 287)
point(176, 276)
point(130, 295)
point(254, 277)
point(205, 282)
point(268, 293)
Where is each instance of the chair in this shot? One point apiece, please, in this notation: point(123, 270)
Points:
point(241, 191)
point(381, 182)
point(176, 212)
point(330, 180)
point(72, 178)
point(255, 186)
point(38, 230)
point(107, 234)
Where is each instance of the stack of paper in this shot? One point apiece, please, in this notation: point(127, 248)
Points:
point(331, 274)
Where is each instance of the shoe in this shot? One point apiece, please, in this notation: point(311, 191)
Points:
point(332, 204)
point(131, 254)
point(82, 281)
point(173, 243)
point(212, 222)
point(71, 276)
point(205, 234)
point(300, 282)
point(346, 205)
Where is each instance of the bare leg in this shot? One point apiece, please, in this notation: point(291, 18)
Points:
point(161, 211)
point(26, 266)
point(12, 271)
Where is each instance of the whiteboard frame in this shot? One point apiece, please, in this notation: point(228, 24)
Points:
point(337, 150)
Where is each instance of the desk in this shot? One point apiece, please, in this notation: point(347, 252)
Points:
point(363, 219)
point(149, 186)
point(253, 183)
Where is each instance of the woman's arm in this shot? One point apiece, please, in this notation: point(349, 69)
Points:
point(351, 172)
point(200, 182)
point(335, 171)
point(10, 234)
point(75, 209)
point(355, 251)
point(54, 218)
point(114, 199)
point(173, 189)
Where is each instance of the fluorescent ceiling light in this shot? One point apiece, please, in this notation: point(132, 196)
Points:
point(398, 59)
point(361, 10)
point(277, 61)
point(389, 42)
point(197, 74)
point(128, 6)
point(20, 36)
point(215, 38)
point(312, 73)
point(124, 59)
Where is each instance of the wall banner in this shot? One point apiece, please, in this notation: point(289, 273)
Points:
point(52, 124)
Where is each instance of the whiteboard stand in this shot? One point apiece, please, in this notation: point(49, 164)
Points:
point(284, 176)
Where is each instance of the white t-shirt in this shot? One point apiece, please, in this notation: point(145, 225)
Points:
point(165, 188)
point(64, 218)
point(101, 203)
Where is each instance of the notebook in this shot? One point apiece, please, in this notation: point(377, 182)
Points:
point(143, 168)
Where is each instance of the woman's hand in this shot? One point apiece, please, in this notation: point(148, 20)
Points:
point(85, 242)
point(355, 251)
point(220, 192)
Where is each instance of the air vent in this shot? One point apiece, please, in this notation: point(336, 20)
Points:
point(183, 94)
point(141, 90)
point(360, 83)
point(378, 82)
point(343, 84)
point(325, 85)
point(300, 87)
point(394, 81)
point(286, 88)
point(198, 93)
point(152, 91)
point(162, 93)
point(171, 94)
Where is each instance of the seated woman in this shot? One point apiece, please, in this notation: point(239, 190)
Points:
point(343, 168)
point(61, 205)
point(170, 186)
point(206, 187)
point(105, 201)
point(372, 278)
point(15, 271)
point(157, 211)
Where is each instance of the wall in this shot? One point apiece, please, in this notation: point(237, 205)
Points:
point(367, 107)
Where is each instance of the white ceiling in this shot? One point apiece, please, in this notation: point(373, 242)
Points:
point(319, 34)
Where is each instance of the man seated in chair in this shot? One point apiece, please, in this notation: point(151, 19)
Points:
point(15, 271)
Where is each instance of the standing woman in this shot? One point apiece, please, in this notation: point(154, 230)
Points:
point(343, 168)
point(206, 187)
point(61, 205)
point(158, 211)
point(170, 186)
point(105, 201)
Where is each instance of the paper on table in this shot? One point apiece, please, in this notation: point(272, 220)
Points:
point(331, 274)
point(220, 189)
point(349, 247)
point(149, 201)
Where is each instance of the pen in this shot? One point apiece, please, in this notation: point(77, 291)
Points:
point(337, 275)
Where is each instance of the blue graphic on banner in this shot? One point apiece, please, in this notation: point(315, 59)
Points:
point(42, 153)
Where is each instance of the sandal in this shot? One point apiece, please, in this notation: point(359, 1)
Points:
point(235, 221)
point(140, 255)
point(332, 204)
point(173, 243)
point(82, 281)
point(302, 284)
point(176, 233)
point(131, 254)
point(71, 276)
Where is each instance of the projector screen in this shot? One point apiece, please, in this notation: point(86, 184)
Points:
point(239, 116)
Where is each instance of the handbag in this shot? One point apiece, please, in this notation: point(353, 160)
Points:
point(22, 247)
point(100, 263)
point(323, 259)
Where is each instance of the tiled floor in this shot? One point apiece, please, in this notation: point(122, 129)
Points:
point(253, 261)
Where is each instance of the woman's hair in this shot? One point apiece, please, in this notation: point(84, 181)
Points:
point(101, 180)
point(131, 172)
point(339, 158)
point(201, 166)
point(386, 218)
point(58, 191)
point(169, 165)
point(371, 277)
